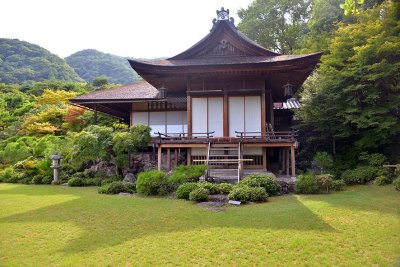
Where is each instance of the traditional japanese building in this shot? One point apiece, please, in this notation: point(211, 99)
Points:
point(225, 102)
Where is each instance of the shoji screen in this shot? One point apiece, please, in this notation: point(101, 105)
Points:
point(236, 115)
point(199, 115)
point(216, 116)
point(157, 122)
point(174, 122)
point(252, 114)
point(244, 114)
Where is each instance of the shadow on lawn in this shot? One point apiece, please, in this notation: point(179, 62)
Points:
point(111, 220)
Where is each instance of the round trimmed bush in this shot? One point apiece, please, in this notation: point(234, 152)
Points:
point(268, 182)
point(224, 188)
point(382, 180)
point(116, 188)
point(246, 193)
point(185, 189)
point(187, 173)
point(212, 188)
point(37, 179)
point(307, 184)
point(360, 175)
point(338, 185)
point(199, 194)
point(396, 184)
point(324, 182)
point(150, 182)
point(76, 181)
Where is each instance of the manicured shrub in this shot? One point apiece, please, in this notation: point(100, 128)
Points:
point(307, 184)
point(76, 181)
point(8, 174)
point(185, 189)
point(199, 194)
point(37, 179)
point(117, 187)
point(187, 173)
point(324, 183)
point(92, 181)
point(375, 159)
point(268, 182)
point(360, 175)
point(338, 185)
point(110, 180)
point(246, 193)
point(47, 179)
point(150, 182)
point(396, 184)
point(212, 188)
point(224, 188)
point(383, 180)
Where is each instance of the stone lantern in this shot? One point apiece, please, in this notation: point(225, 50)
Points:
point(55, 165)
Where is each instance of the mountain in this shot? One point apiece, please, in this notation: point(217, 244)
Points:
point(90, 63)
point(21, 61)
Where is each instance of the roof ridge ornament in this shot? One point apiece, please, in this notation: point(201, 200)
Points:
point(223, 14)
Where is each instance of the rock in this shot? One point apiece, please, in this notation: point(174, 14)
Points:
point(107, 169)
point(129, 178)
point(211, 204)
point(219, 198)
point(234, 202)
point(124, 194)
point(64, 184)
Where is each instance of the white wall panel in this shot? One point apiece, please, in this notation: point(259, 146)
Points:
point(157, 122)
point(216, 116)
point(140, 118)
point(252, 114)
point(174, 122)
point(199, 115)
point(236, 115)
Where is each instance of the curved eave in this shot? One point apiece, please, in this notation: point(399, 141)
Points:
point(154, 68)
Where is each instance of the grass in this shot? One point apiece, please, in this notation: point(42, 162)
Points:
point(62, 226)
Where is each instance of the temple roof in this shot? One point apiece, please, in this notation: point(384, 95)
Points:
point(135, 91)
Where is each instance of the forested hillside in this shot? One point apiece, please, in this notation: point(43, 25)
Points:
point(91, 63)
point(21, 62)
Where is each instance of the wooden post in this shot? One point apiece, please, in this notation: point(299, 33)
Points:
point(263, 114)
point(283, 161)
point(293, 161)
point(189, 115)
point(159, 158)
point(226, 115)
point(176, 157)
point(189, 156)
point(168, 159)
point(287, 161)
point(264, 154)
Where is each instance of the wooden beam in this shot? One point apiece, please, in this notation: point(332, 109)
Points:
point(189, 115)
point(263, 114)
point(287, 161)
point(226, 115)
point(293, 161)
point(283, 160)
point(168, 159)
point(264, 152)
point(159, 158)
point(189, 157)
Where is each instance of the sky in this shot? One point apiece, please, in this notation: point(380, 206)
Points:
point(140, 29)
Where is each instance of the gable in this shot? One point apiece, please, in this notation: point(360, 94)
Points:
point(224, 40)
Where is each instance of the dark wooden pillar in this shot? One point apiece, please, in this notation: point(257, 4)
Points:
point(293, 161)
point(168, 159)
point(189, 156)
point(159, 158)
point(287, 161)
point(189, 115)
point(226, 115)
point(264, 154)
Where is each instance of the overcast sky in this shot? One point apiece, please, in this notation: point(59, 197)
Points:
point(142, 29)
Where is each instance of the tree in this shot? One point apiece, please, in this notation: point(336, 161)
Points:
point(100, 81)
point(358, 91)
point(279, 25)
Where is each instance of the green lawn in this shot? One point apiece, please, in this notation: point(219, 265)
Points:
point(62, 226)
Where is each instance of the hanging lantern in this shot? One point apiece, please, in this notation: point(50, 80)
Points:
point(162, 92)
point(288, 89)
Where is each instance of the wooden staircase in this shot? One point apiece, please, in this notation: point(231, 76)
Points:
point(225, 162)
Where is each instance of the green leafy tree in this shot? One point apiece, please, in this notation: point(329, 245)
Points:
point(279, 25)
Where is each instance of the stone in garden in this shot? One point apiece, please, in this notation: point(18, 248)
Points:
point(64, 184)
point(234, 202)
point(129, 178)
point(124, 194)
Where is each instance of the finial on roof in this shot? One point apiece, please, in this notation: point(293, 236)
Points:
point(223, 14)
